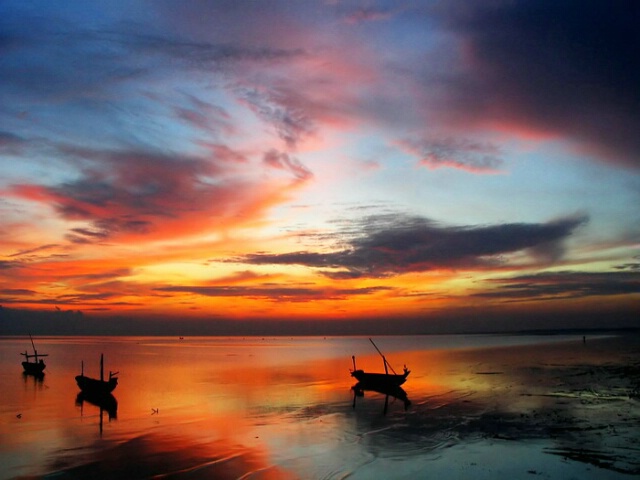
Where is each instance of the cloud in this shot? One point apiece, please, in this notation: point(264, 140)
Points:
point(224, 154)
point(133, 193)
point(396, 244)
point(277, 293)
point(17, 292)
point(569, 68)
point(206, 54)
point(5, 265)
point(564, 285)
point(367, 14)
point(291, 123)
point(33, 250)
point(282, 161)
point(460, 153)
point(205, 116)
point(42, 54)
point(11, 143)
point(634, 266)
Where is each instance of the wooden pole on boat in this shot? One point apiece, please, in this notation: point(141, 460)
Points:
point(35, 352)
point(102, 367)
point(384, 359)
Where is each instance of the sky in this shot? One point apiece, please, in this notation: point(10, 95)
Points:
point(426, 165)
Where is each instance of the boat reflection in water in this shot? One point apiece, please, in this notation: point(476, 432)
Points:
point(388, 390)
point(37, 378)
point(106, 403)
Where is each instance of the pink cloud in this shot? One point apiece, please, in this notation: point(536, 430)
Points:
point(133, 194)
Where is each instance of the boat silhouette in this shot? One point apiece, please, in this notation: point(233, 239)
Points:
point(380, 380)
point(37, 366)
point(97, 388)
point(386, 383)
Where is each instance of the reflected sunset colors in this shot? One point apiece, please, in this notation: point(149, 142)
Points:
point(283, 407)
point(207, 398)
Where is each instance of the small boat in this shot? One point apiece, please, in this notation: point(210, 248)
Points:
point(37, 366)
point(97, 388)
point(379, 381)
point(382, 380)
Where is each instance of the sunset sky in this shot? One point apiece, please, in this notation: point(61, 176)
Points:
point(422, 163)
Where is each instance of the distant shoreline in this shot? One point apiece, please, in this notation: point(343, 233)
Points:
point(545, 332)
point(19, 322)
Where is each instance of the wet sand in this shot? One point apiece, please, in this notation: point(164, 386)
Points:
point(550, 410)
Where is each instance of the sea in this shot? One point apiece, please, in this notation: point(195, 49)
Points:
point(240, 407)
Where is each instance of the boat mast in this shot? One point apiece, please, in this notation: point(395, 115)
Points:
point(383, 359)
point(102, 367)
point(35, 352)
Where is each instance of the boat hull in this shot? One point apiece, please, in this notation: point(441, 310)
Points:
point(379, 380)
point(33, 368)
point(96, 388)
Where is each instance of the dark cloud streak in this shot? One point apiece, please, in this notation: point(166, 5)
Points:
point(283, 161)
point(461, 153)
point(273, 292)
point(393, 245)
point(564, 285)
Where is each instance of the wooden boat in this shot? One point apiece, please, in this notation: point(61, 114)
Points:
point(376, 381)
point(97, 388)
point(37, 366)
point(379, 381)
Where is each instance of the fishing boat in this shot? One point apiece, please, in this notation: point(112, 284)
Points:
point(379, 381)
point(37, 366)
point(97, 388)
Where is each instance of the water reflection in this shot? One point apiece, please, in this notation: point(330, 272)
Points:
point(386, 390)
point(284, 408)
point(156, 455)
point(33, 378)
point(105, 403)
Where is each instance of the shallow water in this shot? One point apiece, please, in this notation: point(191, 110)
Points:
point(210, 407)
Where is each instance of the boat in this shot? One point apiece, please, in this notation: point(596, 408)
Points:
point(379, 381)
point(97, 388)
point(37, 366)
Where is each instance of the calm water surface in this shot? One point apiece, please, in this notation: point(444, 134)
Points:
point(222, 407)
